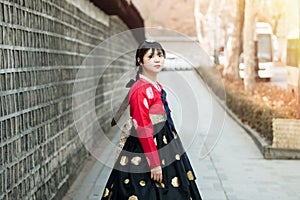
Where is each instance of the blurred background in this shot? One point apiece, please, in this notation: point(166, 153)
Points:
point(213, 21)
point(62, 63)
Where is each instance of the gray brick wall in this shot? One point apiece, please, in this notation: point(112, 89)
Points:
point(42, 46)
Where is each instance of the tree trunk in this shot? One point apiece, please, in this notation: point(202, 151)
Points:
point(198, 17)
point(231, 69)
point(299, 73)
point(298, 50)
point(211, 28)
point(249, 46)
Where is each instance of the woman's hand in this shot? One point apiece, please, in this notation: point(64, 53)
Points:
point(156, 174)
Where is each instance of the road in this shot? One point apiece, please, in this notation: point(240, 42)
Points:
point(227, 163)
point(280, 76)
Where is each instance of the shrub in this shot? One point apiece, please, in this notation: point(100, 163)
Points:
point(256, 109)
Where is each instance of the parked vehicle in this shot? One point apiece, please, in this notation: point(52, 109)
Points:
point(265, 51)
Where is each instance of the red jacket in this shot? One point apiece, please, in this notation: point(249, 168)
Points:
point(145, 99)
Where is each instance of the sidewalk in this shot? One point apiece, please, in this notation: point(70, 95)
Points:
point(234, 169)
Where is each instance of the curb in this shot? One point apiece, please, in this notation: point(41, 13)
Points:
point(266, 150)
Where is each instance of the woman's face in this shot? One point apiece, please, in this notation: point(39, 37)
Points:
point(153, 62)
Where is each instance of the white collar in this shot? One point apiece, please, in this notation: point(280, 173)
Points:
point(155, 84)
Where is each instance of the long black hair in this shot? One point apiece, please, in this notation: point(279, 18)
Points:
point(142, 49)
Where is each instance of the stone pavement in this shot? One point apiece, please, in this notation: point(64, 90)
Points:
point(233, 169)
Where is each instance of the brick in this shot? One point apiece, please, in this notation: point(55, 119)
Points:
point(1, 33)
point(38, 101)
point(1, 11)
point(5, 13)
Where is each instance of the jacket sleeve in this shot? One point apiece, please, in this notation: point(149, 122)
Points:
point(139, 109)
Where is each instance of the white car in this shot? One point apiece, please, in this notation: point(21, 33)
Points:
point(267, 46)
point(174, 62)
point(265, 69)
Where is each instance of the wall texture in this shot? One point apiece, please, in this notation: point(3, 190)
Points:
point(286, 133)
point(42, 46)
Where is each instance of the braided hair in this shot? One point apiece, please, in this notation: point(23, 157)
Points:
point(142, 49)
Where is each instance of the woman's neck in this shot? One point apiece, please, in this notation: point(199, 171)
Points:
point(154, 83)
point(152, 77)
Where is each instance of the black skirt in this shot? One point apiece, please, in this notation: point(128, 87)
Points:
point(130, 179)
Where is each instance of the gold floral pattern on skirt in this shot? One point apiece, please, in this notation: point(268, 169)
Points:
point(157, 184)
point(165, 139)
point(124, 160)
point(174, 134)
point(175, 182)
point(133, 197)
point(106, 192)
point(128, 185)
point(136, 160)
point(142, 183)
point(190, 175)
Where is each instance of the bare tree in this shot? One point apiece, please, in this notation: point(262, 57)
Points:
point(198, 16)
point(231, 69)
point(279, 10)
point(273, 12)
point(298, 49)
point(249, 44)
point(207, 16)
point(202, 23)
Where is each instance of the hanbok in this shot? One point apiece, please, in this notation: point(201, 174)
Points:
point(153, 141)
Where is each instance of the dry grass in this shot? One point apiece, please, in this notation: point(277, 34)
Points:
point(268, 95)
point(258, 108)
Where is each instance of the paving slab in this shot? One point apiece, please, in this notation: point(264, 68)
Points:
point(227, 162)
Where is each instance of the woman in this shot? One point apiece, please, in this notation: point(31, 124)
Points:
point(152, 164)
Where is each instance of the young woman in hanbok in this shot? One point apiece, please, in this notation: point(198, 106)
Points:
point(153, 164)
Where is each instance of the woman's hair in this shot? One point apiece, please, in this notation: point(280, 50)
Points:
point(144, 47)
